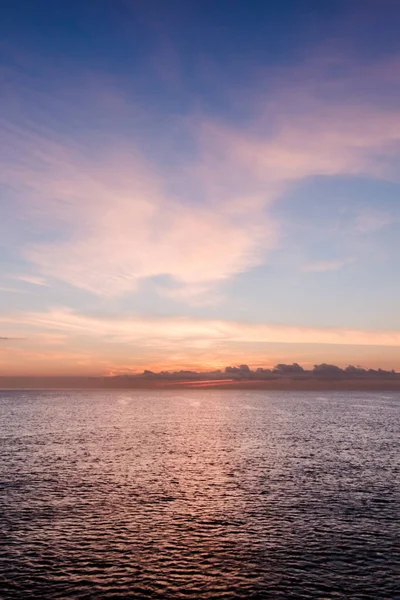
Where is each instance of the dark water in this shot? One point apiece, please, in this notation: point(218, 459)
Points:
point(199, 494)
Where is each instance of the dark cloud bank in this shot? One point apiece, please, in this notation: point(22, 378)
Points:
point(293, 371)
point(283, 376)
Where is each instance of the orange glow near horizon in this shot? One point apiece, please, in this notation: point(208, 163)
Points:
point(62, 342)
point(17, 363)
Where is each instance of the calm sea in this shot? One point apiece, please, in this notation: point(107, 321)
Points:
point(199, 494)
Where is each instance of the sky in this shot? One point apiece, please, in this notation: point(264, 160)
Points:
point(198, 183)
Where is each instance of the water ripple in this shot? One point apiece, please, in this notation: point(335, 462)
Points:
point(204, 494)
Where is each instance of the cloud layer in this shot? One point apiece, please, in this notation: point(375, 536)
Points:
point(191, 331)
point(64, 341)
point(105, 217)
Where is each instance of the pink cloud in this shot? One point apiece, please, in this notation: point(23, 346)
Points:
point(191, 332)
point(121, 226)
point(115, 221)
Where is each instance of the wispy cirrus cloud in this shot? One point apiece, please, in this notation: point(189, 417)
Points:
point(31, 280)
point(372, 220)
point(116, 224)
point(110, 218)
point(187, 332)
point(327, 265)
point(6, 289)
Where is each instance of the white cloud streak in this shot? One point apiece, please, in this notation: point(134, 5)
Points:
point(327, 265)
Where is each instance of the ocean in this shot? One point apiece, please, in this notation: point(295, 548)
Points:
point(199, 494)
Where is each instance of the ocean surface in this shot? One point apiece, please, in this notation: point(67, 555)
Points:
point(199, 494)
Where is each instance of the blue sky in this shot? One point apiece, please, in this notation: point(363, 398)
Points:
point(196, 184)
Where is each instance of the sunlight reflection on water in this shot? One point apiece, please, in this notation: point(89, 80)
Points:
point(200, 494)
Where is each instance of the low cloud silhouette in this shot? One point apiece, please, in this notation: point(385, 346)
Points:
point(294, 371)
point(282, 376)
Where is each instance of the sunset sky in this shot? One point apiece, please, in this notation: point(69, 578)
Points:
point(198, 183)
